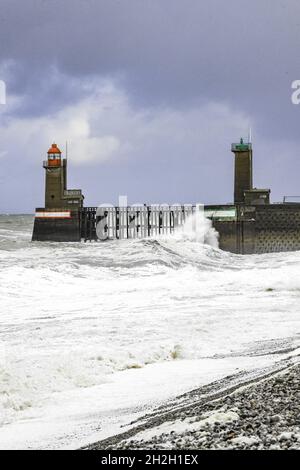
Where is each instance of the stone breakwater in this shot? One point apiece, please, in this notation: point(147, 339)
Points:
point(263, 415)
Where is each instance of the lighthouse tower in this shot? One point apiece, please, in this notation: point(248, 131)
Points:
point(244, 193)
point(56, 178)
point(242, 170)
point(60, 219)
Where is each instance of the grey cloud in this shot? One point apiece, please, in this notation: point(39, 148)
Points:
point(164, 53)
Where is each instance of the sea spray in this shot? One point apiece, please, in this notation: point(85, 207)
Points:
point(198, 228)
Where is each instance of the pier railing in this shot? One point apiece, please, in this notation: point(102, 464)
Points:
point(105, 223)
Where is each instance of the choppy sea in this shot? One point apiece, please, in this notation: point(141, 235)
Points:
point(93, 334)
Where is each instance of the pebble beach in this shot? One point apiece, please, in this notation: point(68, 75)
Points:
point(259, 416)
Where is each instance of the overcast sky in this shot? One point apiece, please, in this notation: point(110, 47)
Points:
point(149, 95)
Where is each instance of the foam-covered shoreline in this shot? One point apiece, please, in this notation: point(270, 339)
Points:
point(262, 415)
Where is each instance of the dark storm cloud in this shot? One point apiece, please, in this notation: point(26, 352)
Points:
point(171, 51)
point(176, 54)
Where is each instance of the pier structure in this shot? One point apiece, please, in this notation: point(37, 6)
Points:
point(250, 224)
point(139, 221)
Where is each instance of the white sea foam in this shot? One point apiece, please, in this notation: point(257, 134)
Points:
point(188, 425)
point(89, 330)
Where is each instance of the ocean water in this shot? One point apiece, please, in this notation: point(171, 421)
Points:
point(94, 334)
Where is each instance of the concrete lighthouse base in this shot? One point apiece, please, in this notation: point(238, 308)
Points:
point(57, 225)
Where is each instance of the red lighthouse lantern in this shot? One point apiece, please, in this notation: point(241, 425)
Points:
point(54, 156)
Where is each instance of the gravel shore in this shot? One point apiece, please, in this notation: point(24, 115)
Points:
point(262, 415)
